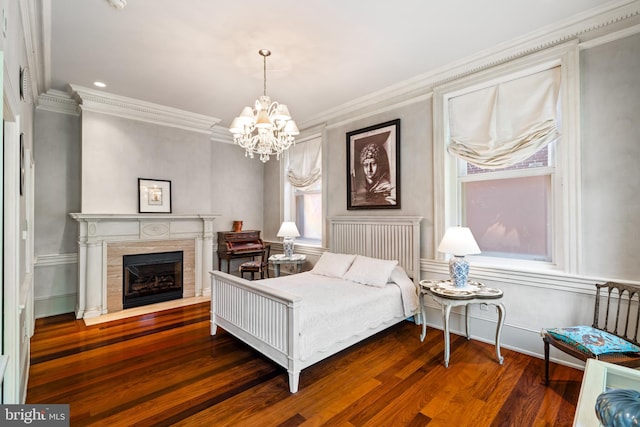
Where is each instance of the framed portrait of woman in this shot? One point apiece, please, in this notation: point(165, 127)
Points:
point(373, 167)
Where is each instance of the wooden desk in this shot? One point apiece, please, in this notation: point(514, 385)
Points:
point(238, 244)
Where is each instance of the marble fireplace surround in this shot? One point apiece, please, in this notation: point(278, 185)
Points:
point(105, 238)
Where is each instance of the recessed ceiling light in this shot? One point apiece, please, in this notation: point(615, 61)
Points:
point(99, 84)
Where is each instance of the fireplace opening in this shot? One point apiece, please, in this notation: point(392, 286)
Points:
point(151, 278)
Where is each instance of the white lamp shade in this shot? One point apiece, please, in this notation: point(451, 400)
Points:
point(288, 229)
point(281, 113)
point(246, 116)
point(458, 241)
point(291, 128)
point(236, 126)
point(263, 121)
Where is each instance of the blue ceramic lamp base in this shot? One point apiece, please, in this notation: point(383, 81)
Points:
point(459, 271)
point(287, 245)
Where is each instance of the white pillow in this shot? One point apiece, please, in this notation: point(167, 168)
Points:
point(399, 275)
point(370, 271)
point(333, 265)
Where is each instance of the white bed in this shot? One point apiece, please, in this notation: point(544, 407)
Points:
point(301, 319)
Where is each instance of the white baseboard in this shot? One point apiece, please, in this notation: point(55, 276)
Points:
point(54, 304)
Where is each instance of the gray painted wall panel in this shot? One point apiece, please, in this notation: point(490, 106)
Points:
point(610, 90)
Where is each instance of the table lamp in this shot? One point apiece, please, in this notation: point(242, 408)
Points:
point(458, 241)
point(289, 232)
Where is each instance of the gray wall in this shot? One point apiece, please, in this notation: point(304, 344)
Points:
point(610, 147)
point(610, 150)
point(117, 151)
point(242, 189)
point(57, 156)
point(610, 93)
point(57, 149)
point(416, 173)
point(92, 163)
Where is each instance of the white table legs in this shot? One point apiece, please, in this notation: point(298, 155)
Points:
point(446, 306)
point(446, 311)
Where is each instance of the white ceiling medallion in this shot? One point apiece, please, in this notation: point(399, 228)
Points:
point(118, 4)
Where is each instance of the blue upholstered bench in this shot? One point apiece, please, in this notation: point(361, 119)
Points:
point(613, 336)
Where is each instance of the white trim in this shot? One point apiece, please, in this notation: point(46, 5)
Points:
point(11, 391)
point(96, 230)
point(57, 102)
point(221, 134)
point(52, 260)
point(29, 18)
point(392, 107)
point(567, 191)
point(611, 37)
point(300, 248)
point(134, 109)
point(514, 275)
point(53, 305)
point(570, 158)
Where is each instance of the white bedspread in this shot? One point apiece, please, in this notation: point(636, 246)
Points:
point(333, 310)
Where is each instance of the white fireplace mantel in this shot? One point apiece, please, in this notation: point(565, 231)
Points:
point(96, 231)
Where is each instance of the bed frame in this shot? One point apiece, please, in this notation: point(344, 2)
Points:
point(268, 319)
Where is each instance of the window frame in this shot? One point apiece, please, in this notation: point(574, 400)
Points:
point(565, 194)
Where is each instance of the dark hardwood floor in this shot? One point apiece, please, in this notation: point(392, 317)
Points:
point(165, 369)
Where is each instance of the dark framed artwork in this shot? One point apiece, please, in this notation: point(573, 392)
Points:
point(373, 167)
point(154, 195)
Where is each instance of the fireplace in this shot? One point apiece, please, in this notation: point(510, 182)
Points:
point(150, 278)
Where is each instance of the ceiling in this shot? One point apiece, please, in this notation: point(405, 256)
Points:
point(202, 55)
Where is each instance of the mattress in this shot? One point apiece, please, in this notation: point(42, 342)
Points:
point(333, 310)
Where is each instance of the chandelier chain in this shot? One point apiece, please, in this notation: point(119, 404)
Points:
point(264, 65)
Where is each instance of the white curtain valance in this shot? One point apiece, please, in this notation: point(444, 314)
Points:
point(305, 163)
point(502, 125)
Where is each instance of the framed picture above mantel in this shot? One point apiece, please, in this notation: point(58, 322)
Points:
point(154, 196)
point(373, 167)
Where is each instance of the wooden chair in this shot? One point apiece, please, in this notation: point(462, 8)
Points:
point(619, 316)
point(257, 266)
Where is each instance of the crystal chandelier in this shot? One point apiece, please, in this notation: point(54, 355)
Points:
point(266, 129)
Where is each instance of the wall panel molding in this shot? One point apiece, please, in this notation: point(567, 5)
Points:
point(50, 260)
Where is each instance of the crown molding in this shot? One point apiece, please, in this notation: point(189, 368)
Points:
point(57, 102)
point(620, 17)
point(221, 134)
point(31, 15)
point(608, 38)
point(134, 109)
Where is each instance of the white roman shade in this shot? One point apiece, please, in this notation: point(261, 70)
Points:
point(504, 124)
point(305, 163)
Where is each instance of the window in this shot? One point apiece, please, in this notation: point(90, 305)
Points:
point(509, 211)
point(308, 212)
point(303, 189)
point(506, 160)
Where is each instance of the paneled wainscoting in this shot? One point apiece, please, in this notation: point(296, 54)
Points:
point(165, 369)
